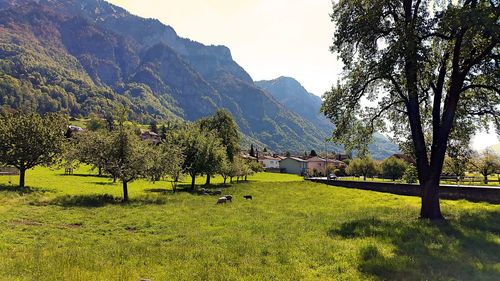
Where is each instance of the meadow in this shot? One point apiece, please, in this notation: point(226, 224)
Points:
point(75, 228)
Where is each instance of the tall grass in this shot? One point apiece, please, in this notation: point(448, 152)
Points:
point(76, 228)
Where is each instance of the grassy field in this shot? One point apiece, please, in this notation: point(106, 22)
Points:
point(74, 228)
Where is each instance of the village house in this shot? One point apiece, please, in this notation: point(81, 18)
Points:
point(270, 162)
point(293, 165)
point(153, 137)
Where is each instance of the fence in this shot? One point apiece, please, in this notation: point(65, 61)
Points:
point(7, 171)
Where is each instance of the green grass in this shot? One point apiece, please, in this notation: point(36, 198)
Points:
point(75, 228)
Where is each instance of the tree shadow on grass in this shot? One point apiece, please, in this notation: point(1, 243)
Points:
point(186, 188)
point(461, 249)
point(101, 200)
point(22, 190)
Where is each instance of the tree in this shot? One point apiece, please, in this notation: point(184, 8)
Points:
point(203, 152)
point(410, 175)
point(487, 163)
point(128, 157)
point(224, 127)
point(313, 153)
point(153, 127)
point(252, 151)
point(288, 154)
point(92, 148)
point(393, 168)
point(30, 140)
point(168, 160)
point(431, 63)
point(457, 161)
point(362, 166)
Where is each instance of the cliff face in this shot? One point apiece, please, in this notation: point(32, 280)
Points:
point(88, 56)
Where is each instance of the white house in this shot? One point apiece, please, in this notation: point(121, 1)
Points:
point(269, 162)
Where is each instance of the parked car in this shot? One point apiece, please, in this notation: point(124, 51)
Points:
point(332, 176)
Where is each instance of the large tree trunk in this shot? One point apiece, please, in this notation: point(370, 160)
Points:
point(22, 176)
point(208, 180)
point(485, 178)
point(430, 208)
point(125, 191)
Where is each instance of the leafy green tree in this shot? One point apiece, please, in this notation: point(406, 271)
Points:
point(90, 147)
point(95, 123)
point(486, 163)
point(393, 168)
point(365, 167)
point(30, 140)
point(168, 160)
point(224, 127)
point(288, 154)
point(457, 160)
point(203, 152)
point(153, 127)
point(410, 175)
point(431, 63)
point(313, 153)
point(128, 157)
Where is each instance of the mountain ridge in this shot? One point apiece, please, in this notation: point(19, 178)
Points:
point(100, 56)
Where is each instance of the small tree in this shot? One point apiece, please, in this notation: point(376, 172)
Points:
point(153, 127)
point(90, 147)
point(410, 175)
point(313, 153)
point(128, 157)
point(203, 152)
point(393, 168)
point(30, 140)
point(362, 166)
point(252, 151)
point(288, 154)
point(168, 160)
point(487, 163)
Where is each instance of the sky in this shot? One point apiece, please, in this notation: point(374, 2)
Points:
point(268, 38)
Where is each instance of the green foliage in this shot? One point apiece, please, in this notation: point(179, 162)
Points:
point(203, 152)
point(410, 175)
point(223, 125)
point(486, 163)
point(429, 67)
point(167, 162)
point(393, 168)
point(365, 167)
point(30, 140)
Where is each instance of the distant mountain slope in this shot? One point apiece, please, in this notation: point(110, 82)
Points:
point(293, 95)
point(90, 56)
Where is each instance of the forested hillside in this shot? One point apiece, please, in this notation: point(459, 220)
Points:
point(90, 56)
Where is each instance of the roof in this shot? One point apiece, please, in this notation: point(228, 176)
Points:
point(295, 158)
point(268, 158)
point(316, 159)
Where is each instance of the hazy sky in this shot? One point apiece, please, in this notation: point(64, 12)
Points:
point(269, 38)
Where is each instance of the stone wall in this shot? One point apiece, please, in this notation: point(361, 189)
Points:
point(475, 194)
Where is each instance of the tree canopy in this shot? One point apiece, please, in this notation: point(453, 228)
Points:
point(30, 140)
point(428, 68)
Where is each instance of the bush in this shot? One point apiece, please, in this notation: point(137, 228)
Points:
point(410, 175)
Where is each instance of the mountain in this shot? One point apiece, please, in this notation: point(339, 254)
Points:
point(87, 56)
point(296, 98)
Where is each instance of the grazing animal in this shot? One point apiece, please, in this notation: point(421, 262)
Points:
point(222, 200)
point(248, 197)
point(229, 198)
